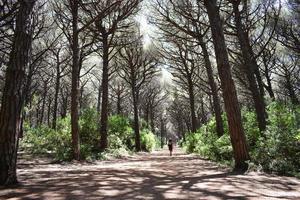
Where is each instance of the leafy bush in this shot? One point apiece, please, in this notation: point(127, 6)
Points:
point(277, 149)
point(206, 143)
point(251, 127)
point(148, 140)
point(89, 127)
point(42, 139)
point(120, 133)
point(58, 142)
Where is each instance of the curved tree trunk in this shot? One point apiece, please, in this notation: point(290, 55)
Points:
point(250, 65)
point(14, 94)
point(268, 86)
point(214, 91)
point(238, 139)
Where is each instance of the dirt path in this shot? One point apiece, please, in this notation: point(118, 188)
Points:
point(147, 176)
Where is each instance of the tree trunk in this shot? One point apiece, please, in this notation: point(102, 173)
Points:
point(152, 120)
point(238, 139)
point(14, 94)
point(204, 117)
point(268, 86)
point(214, 91)
point(146, 114)
point(75, 82)
point(291, 91)
point(136, 120)
point(104, 106)
point(44, 102)
point(249, 65)
point(119, 107)
point(64, 106)
point(187, 124)
point(99, 99)
point(192, 107)
point(81, 91)
point(162, 132)
point(57, 86)
point(49, 111)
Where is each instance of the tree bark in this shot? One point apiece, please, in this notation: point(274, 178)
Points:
point(75, 81)
point(49, 111)
point(162, 132)
point(146, 113)
point(64, 105)
point(152, 120)
point(268, 86)
point(214, 91)
point(99, 99)
point(291, 91)
point(104, 105)
point(238, 139)
point(119, 107)
point(249, 67)
point(136, 120)
point(57, 87)
point(14, 95)
point(44, 102)
point(192, 107)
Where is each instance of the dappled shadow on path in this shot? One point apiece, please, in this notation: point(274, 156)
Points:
point(155, 176)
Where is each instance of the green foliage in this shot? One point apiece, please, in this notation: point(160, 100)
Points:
point(206, 143)
point(277, 149)
point(251, 127)
point(120, 133)
point(148, 140)
point(44, 140)
point(89, 128)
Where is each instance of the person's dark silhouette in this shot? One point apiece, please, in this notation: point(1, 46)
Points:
point(170, 145)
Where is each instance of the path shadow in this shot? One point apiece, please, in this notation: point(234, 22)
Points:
point(181, 177)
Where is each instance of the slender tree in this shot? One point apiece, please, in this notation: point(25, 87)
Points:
point(112, 16)
point(184, 66)
point(136, 67)
point(187, 17)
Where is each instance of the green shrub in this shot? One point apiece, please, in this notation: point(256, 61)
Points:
point(42, 139)
point(206, 143)
point(120, 132)
point(148, 140)
point(89, 129)
point(58, 142)
point(224, 149)
point(251, 127)
point(61, 139)
point(277, 149)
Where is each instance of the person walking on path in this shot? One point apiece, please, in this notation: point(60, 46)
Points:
point(170, 145)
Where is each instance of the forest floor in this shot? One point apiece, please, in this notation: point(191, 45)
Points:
point(146, 176)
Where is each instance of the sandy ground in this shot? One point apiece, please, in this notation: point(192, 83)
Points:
point(146, 176)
